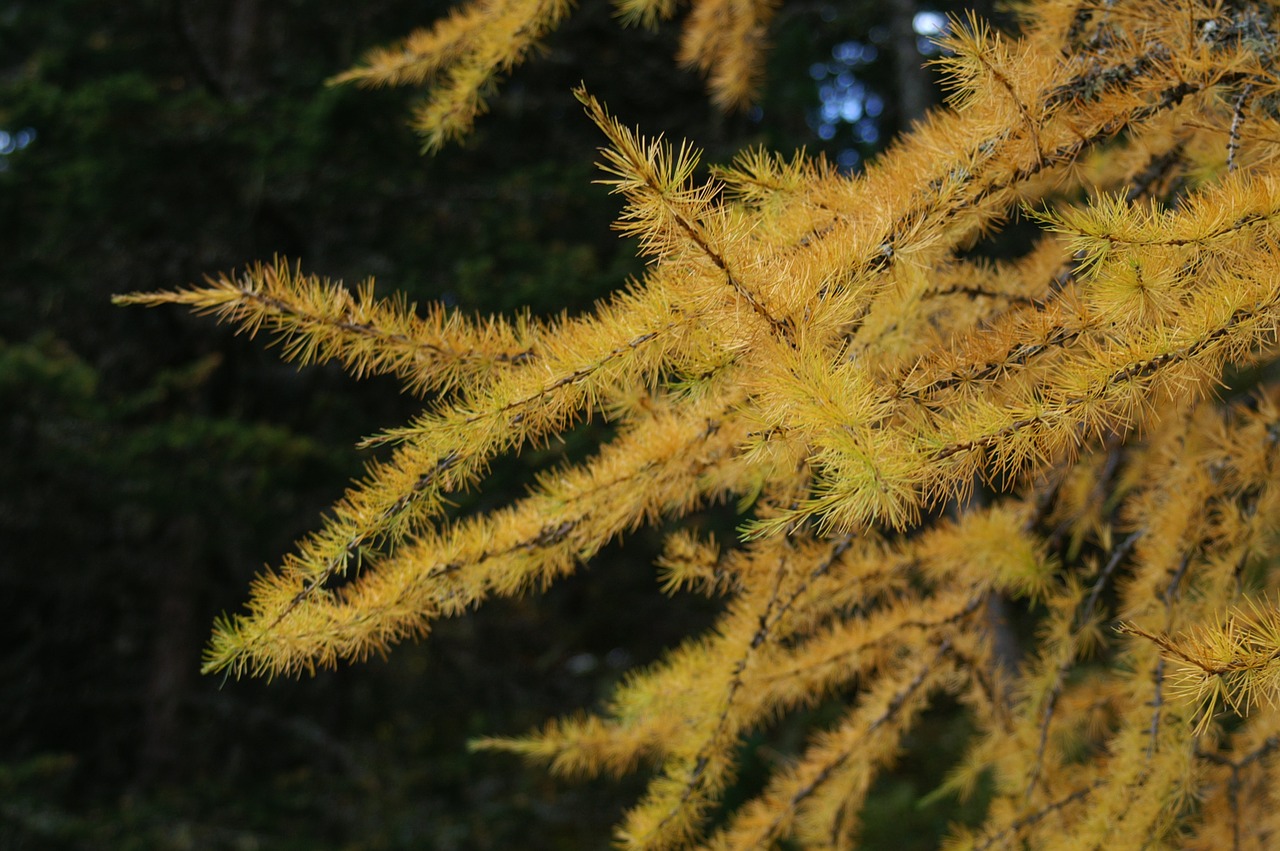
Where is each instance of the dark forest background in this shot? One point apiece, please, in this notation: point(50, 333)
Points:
point(152, 462)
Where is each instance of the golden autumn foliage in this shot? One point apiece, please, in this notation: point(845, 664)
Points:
point(464, 54)
point(918, 438)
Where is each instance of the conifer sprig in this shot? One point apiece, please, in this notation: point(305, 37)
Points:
point(670, 462)
point(828, 350)
point(725, 40)
point(317, 320)
point(461, 56)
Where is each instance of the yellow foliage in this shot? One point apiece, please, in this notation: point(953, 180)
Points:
point(923, 440)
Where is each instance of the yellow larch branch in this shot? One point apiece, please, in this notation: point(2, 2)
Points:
point(318, 321)
point(462, 54)
point(663, 466)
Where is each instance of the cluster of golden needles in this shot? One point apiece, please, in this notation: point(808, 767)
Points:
point(924, 439)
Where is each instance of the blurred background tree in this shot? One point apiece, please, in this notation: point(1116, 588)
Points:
point(150, 462)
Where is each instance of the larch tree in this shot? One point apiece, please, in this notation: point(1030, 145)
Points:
point(918, 439)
